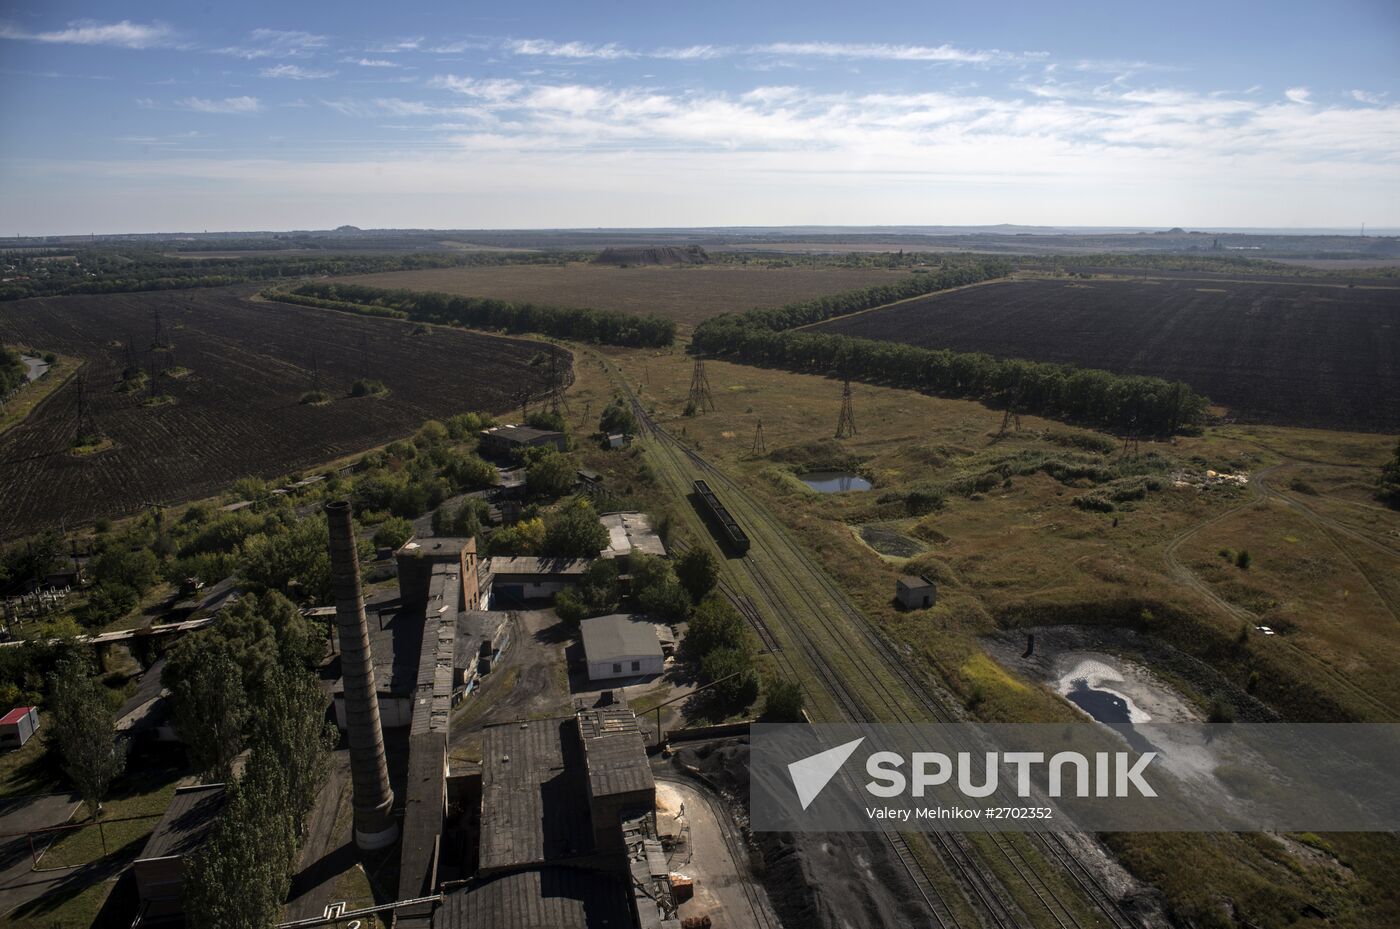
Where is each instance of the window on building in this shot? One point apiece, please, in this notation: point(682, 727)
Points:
point(617, 669)
point(636, 666)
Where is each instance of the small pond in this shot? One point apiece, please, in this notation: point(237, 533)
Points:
point(834, 482)
point(1090, 685)
point(1103, 705)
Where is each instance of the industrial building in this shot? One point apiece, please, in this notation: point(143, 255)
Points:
point(503, 441)
point(915, 592)
point(621, 645)
point(566, 838)
point(160, 869)
point(515, 580)
point(630, 532)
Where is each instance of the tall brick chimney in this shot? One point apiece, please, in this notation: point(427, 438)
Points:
point(375, 826)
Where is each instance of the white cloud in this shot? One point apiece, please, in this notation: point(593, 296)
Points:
point(226, 105)
point(372, 62)
point(295, 73)
point(1298, 94)
point(124, 34)
point(277, 43)
point(883, 52)
point(1363, 96)
point(491, 89)
point(546, 48)
point(396, 45)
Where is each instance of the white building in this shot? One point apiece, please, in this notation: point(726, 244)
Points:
point(620, 645)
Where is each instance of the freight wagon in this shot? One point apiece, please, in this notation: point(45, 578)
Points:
point(730, 535)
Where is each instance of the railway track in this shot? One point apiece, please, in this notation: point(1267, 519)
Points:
point(990, 899)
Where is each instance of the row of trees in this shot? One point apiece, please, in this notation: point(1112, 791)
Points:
point(1101, 398)
point(12, 371)
point(125, 269)
point(246, 684)
point(607, 327)
point(806, 312)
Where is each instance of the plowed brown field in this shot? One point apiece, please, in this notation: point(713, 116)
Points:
point(237, 411)
point(1326, 356)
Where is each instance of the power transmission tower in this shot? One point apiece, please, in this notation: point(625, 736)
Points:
point(1012, 417)
point(160, 329)
point(846, 424)
point(759, 445)
point(524, 398)
point(315, 373)
point(700, 399)
point(1130, 441)
point(557, 397)
point(83, 429)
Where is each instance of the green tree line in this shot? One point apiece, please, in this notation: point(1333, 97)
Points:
point(1100, 398)
point(607, 327)
point(109, 270)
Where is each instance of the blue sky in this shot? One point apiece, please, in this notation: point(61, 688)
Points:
point(178, 116)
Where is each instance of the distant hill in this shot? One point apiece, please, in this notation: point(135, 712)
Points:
point(654, 255)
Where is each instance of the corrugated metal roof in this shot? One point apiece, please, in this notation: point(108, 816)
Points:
point(614, 751)
point(15, 715)
point(534, 801)
point(187, 821)
point(538, 566)
point(541, 898)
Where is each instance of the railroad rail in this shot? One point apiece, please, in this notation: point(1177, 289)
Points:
point(953, 849)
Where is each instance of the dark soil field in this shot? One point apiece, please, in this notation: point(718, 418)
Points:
point(689, 295)
point(232, 407)
point(1324, 356)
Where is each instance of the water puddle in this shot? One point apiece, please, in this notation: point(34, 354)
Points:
point(834, 482)
point(1088, 686)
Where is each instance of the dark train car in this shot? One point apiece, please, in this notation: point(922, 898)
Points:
point(731, 536)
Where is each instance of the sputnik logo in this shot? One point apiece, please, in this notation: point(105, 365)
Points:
point(810, 775)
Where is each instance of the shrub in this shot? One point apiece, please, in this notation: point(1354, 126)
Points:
point(783, 702)
point(393, 532)
point(1243, 560)
point(367, 387)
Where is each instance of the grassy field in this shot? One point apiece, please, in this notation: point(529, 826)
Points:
point(31, 395)
point(686, 294)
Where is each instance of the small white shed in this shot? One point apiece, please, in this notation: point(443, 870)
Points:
point(17, 726)
point(621, 645)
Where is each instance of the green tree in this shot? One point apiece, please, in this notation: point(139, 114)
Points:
point(596, 595)
point(1389, 490)
point(544, 419)
point(715, 625)
point(294, 561)
point(83, 725)
point(736, 681)
point(291, 723)
point(524, 538)
point(550, 475)
point(1243, 560)
point(241, 875)
point(574, 531)
point(698, 572)
point(393, 532)
point(617, 417)
point(783, 701)
point(211, 703)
